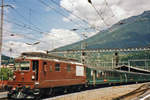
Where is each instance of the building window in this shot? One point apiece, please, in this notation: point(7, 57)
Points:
point(68, 68)
point(57, 67)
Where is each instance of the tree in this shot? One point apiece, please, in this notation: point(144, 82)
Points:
point(5, 74)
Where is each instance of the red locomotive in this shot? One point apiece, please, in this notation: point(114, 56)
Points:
point(39, 74)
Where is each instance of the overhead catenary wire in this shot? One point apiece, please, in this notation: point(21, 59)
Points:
point(104, 9)
point(57, 11)
point(113, 14)
point(81, 19)
point(23, 17)
point(62, 14)
point(31, 11)
point(24, 26)
point(37, 29)
point(23, 35)
point(99, 14)
point(21, 24)
point(110, 8)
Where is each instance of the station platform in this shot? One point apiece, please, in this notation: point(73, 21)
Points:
point(106, 93)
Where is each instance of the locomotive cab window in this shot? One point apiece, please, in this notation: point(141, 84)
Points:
point(22, 65)
point(57, 67)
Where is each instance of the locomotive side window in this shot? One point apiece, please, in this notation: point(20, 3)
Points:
point(57, 67)
point(68, 68)
point(45, 66)
point(50, 68)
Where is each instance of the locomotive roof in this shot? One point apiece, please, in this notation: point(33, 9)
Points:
point(47, 56)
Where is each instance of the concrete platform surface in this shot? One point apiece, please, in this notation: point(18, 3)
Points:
point(107, 93)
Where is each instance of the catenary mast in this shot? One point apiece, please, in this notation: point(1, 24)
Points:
point(1, 29)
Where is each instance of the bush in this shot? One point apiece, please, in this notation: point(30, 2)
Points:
point(5, 73)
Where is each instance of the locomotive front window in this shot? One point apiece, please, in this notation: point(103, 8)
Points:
point(22, 65)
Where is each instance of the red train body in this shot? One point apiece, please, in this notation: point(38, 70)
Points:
point(38, 74)
point(3, 84)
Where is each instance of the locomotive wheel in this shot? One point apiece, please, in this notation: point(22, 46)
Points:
point(71, 89)
point(78, 88)
point(38, 97)
point(53, 92)
point(65, 90)
point(49, 91)
point(9, 96)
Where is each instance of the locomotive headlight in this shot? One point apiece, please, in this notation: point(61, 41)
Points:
point(33, 77)
point(14, 77)
point(36, 83)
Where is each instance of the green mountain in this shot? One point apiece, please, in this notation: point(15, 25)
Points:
point(128, 33)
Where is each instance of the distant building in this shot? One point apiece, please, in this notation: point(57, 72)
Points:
point(10, 66)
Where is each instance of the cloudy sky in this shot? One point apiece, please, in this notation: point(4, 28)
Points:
point(55, 23)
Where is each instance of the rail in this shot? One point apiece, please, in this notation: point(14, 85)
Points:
point(135, 93)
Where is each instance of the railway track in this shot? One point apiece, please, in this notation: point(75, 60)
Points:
point(137, 93)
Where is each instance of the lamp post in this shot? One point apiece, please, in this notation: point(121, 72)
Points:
point(1, 29)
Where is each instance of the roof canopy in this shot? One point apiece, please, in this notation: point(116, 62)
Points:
point(132, 69)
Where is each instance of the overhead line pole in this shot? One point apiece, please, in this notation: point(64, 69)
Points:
point(1, 29)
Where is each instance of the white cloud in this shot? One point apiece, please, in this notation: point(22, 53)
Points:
point(120, 8)
point(57, 38)
point(60, 37)
point(17, 48)
point(54, 39)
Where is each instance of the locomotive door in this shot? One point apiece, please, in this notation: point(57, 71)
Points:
point(94, 77)
point(35, 67)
